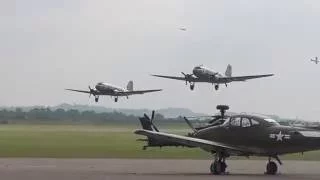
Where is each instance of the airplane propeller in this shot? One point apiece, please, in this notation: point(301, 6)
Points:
point(92, 92)
point(187, 77)
point(151, 120)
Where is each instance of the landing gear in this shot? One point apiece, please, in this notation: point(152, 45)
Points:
point(192, 86)
point(116, 99)
point(219, 165)
point(96, 99)
point(272, 168)
point(216, 87)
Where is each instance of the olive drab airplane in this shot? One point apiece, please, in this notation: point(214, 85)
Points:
point(203, 74)
point(113, 91)
point(316, 61)
point(237, 135)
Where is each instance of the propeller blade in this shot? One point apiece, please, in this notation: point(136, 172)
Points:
point(188, 77)
point(151, 121)
point(189, 124)
point(147, 117)
point(155, 128)
point(152, 117)
point(90, 91)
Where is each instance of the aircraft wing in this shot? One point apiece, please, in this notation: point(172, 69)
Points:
point(244, 78)
point(187, 141)
point(193, 79)
point(78, 91)
point(126, 93)
point(170, 77)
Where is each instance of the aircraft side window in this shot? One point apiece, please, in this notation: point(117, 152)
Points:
point(236, 121)
point(245, 122)
point(254, 122)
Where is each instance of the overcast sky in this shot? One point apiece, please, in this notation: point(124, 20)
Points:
point(46, 46)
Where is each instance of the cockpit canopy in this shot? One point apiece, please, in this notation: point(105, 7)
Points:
point(246, 121)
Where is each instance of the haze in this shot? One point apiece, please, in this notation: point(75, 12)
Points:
point(47, 46)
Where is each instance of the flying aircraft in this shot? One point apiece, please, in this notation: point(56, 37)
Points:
point(113, 91)
point(203, 74)
point(236, 135)
point(315, 60)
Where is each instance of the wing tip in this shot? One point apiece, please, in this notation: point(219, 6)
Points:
point(155, 75)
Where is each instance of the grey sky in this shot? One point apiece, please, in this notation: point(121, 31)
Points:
point(47, 46)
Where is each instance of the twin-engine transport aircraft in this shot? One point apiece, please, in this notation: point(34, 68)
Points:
point(113, 91)
point(203, 74)
point(237, 135)
point(315, 60)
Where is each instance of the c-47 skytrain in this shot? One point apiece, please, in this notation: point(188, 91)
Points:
point(203, 74)
point(113, 91)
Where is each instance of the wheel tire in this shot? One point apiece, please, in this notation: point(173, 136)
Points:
point(192, 87)
point(216, 168)
point(216, 87)
point(272, 168)
point(223, 167)
point(96, 99)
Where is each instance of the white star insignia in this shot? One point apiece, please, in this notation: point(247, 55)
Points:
point(279, 136)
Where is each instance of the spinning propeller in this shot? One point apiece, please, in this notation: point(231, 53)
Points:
point(151, 120)
point(188, 77)
point(92, 92)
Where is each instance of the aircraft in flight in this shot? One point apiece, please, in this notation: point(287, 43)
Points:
point(203, 74)
point(113, 91)
point(315, 60)
point(237, 135)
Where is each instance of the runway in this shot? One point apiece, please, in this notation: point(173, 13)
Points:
point(122, 169)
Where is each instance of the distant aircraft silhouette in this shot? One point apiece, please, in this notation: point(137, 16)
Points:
point(315, 60)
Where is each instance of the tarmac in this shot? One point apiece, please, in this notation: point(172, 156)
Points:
point(147, 169)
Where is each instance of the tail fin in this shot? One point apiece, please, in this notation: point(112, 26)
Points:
point(130, 86)
point(228, 72)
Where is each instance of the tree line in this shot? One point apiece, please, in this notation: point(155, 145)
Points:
point(43, 115)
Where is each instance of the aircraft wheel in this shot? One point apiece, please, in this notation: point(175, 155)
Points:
point(116, 99)
point(223, 167)
point(96, 99)
point(216, 87)
point(272, 168)
point(218, 167)
point(192, 87)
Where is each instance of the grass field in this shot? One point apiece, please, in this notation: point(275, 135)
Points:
point(84, 141)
